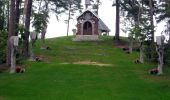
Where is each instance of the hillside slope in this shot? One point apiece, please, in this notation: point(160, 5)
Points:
point(84, 71)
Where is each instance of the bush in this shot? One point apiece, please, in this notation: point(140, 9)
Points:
point(150, 52)
point(3, 44)
point(166, 54)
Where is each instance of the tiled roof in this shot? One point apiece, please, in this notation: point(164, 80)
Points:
point(102, 26)
point(89, 11)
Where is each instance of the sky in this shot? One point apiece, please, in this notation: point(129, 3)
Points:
point(106, 13)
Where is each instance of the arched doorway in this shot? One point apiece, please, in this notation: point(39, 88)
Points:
point(87, 28)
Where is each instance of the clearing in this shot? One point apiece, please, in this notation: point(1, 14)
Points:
point(72, 71)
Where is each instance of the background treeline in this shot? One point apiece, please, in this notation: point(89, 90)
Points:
point(17, 16)
point(138, 17)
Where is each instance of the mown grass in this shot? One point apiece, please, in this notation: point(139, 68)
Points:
point(57, 78)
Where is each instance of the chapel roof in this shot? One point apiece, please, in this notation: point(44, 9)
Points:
point(101, 25)
point(88, 10)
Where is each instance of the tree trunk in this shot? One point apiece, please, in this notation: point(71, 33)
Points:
point(13, 60)
point(27, 27)
point(8, 15)
point(160, 51)
point(17, 9)
point(2, 16)
point(169, 39)
point(11, 31)
point(45, 26)
point(151, 15)
point(68, 22)
point(130, 43)
point(151, 19)
point(141, 59)
point(141, 52)
point(43, 37)
point(117, 20)
point(32, 55)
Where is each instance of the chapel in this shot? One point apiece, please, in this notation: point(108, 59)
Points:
point(89, 26)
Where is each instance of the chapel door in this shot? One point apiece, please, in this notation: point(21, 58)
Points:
point(87, 28)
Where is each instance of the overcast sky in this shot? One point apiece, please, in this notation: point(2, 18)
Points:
point(106, 13)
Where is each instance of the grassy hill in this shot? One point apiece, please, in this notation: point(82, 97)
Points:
point(84, 71)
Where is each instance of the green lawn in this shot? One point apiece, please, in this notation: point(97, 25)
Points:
point(58, 78)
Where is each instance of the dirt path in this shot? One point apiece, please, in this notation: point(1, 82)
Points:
point(90, 63)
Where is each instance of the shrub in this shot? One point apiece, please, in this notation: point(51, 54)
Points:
point(166, 54)
point(150, 52)
point(3, 44)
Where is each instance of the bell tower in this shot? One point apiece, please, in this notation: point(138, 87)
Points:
point(87, 3)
